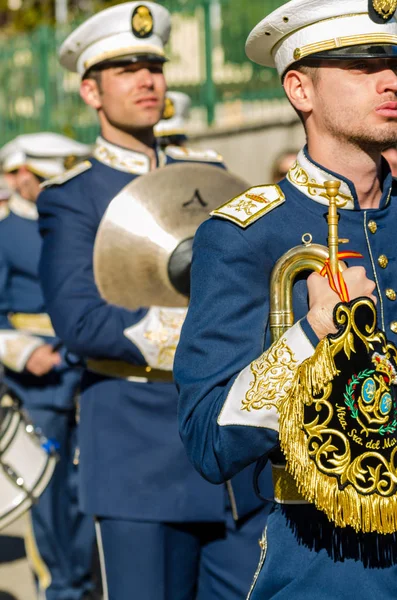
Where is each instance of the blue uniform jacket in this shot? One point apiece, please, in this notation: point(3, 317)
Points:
point(133, 464)
point(226, 328)
point(20, 295)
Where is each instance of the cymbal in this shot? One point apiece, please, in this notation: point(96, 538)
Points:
point(142, 250)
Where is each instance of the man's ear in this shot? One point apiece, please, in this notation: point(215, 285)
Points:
point(89, 91)
point(300, 89)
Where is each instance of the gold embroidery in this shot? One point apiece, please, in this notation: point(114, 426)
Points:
point(250, 206)
point(385, 8)
point(300, 177)
point(245, 205)
point(73, 172)
point(166, 337)
point(184, 153)
point(273, 378)
point(353, 489)
point(130, 164)
point(257, 197)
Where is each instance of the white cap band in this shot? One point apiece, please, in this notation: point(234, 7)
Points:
point(300, 28)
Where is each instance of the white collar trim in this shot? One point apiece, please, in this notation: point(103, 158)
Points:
point(309, 179)
point(121, 158)
point(23, 208)
point(4, 210)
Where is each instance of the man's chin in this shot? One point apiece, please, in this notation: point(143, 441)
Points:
point(376, 143)
point(138, 127)
point(146, 124)
point(150, 117)
point(143, 121)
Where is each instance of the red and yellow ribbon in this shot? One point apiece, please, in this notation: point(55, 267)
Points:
point(341, 288)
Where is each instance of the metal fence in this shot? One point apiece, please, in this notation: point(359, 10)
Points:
point(207, 61)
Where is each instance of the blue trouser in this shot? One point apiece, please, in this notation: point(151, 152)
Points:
point(306, 558)
point(178, 561)
point(63, 535)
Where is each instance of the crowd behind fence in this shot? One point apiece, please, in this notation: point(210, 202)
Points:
point(207, 61)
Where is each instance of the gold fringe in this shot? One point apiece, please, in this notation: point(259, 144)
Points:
point(318, 370)
point(344, 507)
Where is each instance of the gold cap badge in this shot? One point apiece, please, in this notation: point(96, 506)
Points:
point(385, 8)
point(169, 109)
point(142, 21)
point(70, 161)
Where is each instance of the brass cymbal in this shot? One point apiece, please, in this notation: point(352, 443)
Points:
point(145, 234)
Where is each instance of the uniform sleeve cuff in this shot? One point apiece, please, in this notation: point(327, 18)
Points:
point(157, 335)
point(258, 391)
point(16, 349)
point(309, 332)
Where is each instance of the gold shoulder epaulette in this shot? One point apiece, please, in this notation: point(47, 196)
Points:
point(251, 205)
point(183, 153)
point(73, 172)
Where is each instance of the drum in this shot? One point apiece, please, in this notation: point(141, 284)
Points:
point(27, 460)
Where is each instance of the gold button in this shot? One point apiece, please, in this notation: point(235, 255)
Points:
point(383, 261)
point(148, 369)
point(372, 226)
point(297, 53)
point(391, 294)
point(393, 326)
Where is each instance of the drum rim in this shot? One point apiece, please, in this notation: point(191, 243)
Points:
point(16, 418)
point(31, 496)
point(11, 431)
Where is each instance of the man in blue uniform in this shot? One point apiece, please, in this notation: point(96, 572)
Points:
point(36, 369)
point(163, 531)
point(337, 60)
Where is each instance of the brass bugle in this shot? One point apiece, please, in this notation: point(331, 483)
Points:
point(306, 257)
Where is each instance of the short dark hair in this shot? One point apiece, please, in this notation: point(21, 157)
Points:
point(96, 75)
point(306, 66)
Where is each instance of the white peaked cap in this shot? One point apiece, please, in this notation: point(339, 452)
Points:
point(302, 28)
point(125, 30)
point(46, 154)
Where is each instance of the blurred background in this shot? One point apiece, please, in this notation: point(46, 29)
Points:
point(238, 108)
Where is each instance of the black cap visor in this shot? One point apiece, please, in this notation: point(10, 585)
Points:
point(122, 61)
